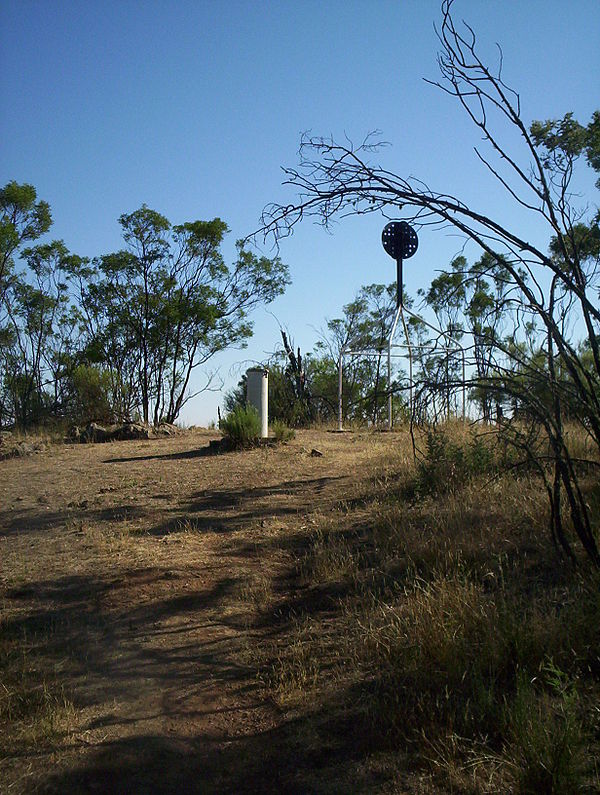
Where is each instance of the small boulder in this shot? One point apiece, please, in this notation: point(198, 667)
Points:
point(95, 433)
point(74, 434)
point(167, 429)
point(130, 430)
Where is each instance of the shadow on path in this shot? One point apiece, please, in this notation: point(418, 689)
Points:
point(309, 755)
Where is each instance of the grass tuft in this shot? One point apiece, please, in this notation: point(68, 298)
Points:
point(281, 432)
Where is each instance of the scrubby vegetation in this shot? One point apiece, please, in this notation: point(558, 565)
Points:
point(405, 622)
point(241, 427)
point(281, 432)
point(447, 625)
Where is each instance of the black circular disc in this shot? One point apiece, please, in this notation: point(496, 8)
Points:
point(399, 240)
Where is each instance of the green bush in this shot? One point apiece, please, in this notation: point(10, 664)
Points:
point(448, 464)
point(242, 427)
point(91, 399)
point(281, 432)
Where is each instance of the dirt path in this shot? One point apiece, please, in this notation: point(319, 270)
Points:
point(131, 576)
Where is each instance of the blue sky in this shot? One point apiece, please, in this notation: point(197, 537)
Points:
point(193, 107)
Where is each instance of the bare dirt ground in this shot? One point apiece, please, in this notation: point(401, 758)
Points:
point(130, 575)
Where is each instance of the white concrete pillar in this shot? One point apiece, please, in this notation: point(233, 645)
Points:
point(257, 395)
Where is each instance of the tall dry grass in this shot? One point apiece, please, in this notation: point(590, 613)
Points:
point(33, 701)
point(458, 631)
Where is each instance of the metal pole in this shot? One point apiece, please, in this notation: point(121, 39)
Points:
point(410, 363)
point(389, 369)
point(340, 421)
point(398, 311)
point(448, 387)
point(411, 404)
point(399, 282)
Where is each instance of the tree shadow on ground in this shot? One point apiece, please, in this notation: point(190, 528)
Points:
point(228, 510)
point(324, 752)
point(178, 634)
point(200, 452)
point(31, 521)
point(96, 632)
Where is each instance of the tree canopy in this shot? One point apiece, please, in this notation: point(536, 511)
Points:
point(118, 336)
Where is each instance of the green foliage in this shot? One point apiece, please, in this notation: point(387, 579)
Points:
point(30, 406)
point(91, 399)
point(236, 397)
point(286, 406)
point(22, 220)
point(546, 738)
point(561, 141)
point(168, 303)
point(119, 336)
point(303, 390)
point(365, 325)
point(281, 432)
point(242, 427)
point(545, 299)
point(446, 296)
point(449, 465)
point(310, 393)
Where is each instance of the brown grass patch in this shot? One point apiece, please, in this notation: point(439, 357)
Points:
point(271, 621)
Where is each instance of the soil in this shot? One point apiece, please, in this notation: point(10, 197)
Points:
point(130, 581)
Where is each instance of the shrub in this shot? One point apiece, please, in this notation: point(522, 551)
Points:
point(546, 749)
point(281, 432)
point(91, 395)
point(242, 427)
point(448, 465)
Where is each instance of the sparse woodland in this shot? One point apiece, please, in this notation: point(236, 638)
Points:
point(416, 611)
point(117, 337)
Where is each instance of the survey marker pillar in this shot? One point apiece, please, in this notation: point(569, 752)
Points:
point(257, 395)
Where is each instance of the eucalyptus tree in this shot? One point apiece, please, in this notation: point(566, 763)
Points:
point(167, 303)
point(22, 220)
point(471, 312)
point(485, 316)
point(303, 388)
point(361, 336)
point(446, 297)
point(43, 329)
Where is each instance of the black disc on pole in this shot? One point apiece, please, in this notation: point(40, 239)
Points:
point(399, 240)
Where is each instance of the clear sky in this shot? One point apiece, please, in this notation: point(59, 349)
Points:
point(193, 106)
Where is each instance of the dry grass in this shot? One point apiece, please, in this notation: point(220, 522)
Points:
point(36, 708)
point(460, 632)
point(356, 622)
